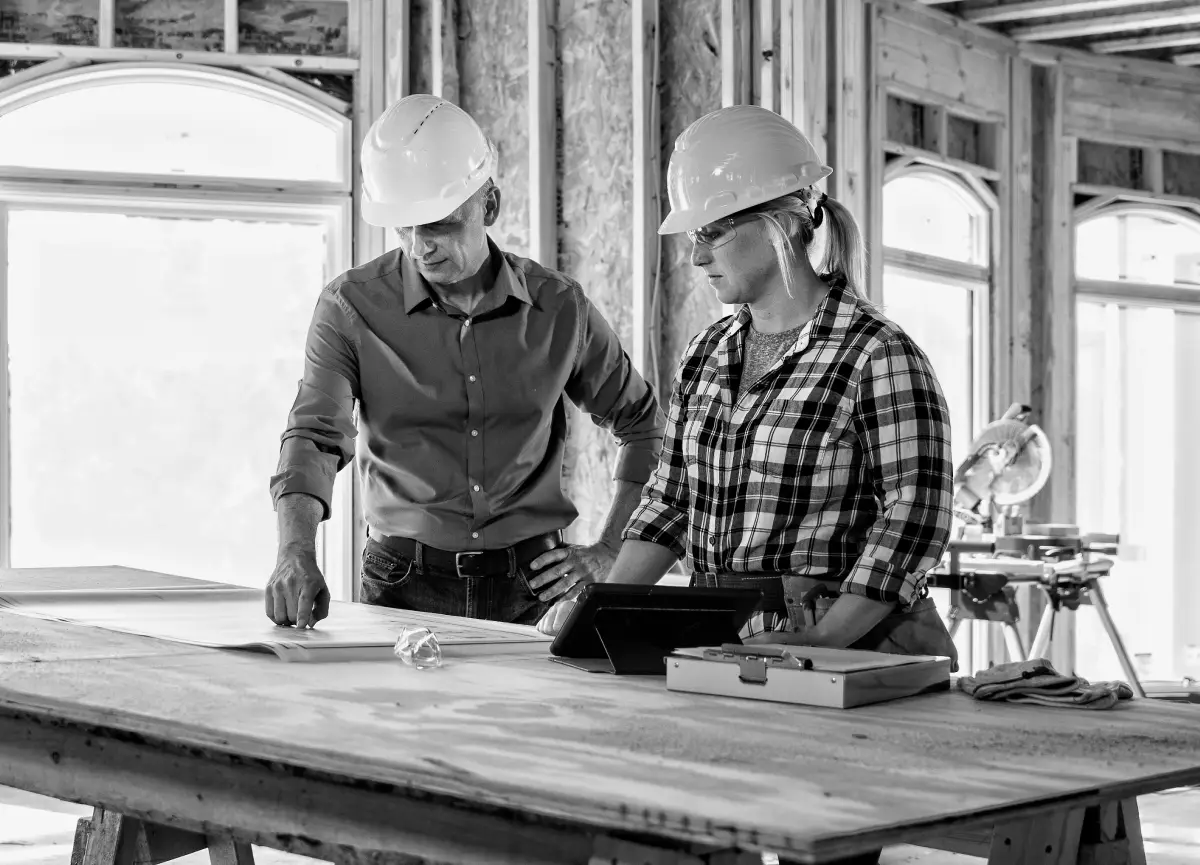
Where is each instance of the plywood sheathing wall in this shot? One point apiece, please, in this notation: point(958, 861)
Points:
point(691, 87)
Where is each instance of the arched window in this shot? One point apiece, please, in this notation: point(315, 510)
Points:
point(936, 236)
point(164, 235)
point(141, 119)
point(1137, 408)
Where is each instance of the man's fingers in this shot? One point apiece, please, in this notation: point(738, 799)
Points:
point(560, 588)
point(321, 608)
point(292, 598)
point(278, 606)
point(304, 606)
point(548, 558)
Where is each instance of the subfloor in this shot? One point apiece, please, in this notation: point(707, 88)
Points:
point(39, 831)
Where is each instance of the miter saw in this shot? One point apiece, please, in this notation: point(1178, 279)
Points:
point(1008, 464)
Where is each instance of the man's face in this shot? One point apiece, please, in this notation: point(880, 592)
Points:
point(455, 248)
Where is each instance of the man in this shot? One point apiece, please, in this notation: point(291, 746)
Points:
point(460, 359)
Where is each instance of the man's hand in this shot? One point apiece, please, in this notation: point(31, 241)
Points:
point(556, 616)
point(558, 571)
point(296, 593)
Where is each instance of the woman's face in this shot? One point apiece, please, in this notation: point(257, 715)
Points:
point(739, 261)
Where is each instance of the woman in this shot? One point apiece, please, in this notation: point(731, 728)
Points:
point(807, 451)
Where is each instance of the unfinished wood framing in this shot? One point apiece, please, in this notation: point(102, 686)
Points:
point(647, 208)
point(231, 26)
point(397, 15)
point(848, 109)
point(1021, 11)
point(803, 56)
point(764, 54)
point(295, 62)
point(443, 40)
point(106, 24)
point(1137, 110)
point(1054, 317)
point(1018, 211)
point(1102, 24)
point(875, 158)
point(737, 86)
point(543, 131)
point(5, 409)
point(1183, 298)
point(370, 95)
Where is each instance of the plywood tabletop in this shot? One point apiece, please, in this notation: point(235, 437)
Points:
point(612, 752)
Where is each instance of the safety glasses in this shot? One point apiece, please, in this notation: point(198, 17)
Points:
point(719, 233)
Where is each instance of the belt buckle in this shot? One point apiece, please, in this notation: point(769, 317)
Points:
point(458, 563)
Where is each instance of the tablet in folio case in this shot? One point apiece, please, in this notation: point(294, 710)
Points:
point(629, 630)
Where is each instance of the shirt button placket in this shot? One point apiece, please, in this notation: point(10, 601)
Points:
point(475, 460)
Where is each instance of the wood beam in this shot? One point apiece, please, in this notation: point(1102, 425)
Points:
point(1145, 43)
point(1023, 11)
point(1053, 394)
point(803, 49)
point(1106, 24)
point(1188, 58)
point(764, 54)
point(543, 131)
point(444, 51)
point(647, 208)
point(398, 18)
point(106, 24)
point(5, 404)
point(848, 107)
point(232, 43)
point(294, 62)
point(1018, 213)
point(736, 31)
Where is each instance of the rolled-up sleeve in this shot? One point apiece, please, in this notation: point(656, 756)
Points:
point(605, 384)
point(902, 421)
point(319, 439)
point(662, 516)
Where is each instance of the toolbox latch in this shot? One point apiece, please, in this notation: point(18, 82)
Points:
point(752, 670)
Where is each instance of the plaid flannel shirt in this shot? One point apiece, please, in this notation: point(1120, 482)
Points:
point(835, 465)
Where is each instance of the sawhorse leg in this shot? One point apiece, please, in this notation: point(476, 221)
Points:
point(1106, 834)
point(109, 838)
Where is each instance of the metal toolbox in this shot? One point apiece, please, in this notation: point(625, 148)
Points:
point(804, 675)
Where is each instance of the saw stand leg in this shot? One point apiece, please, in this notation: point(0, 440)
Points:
point(1095, 596)
point(109, 838)
point(1012, 637)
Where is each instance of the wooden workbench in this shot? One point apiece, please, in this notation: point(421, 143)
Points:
point(520, 760)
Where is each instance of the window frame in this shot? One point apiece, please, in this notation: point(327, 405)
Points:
point(270, 200)
point(1125, 292)
point(303, 99)
point(978, 280)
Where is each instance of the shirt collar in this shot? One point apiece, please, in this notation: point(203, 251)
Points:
point(417, 292)
point(832, 317)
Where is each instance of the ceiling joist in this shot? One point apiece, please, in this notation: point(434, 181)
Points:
point(1146, 43)
point(1024, 11)
point(1186, 16)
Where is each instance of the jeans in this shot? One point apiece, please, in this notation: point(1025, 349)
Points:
point(392, 580)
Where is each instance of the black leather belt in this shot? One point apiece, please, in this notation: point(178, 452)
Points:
point(480, 563)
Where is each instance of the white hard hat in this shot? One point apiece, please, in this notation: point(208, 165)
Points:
point(421, 160)
point(732, 159)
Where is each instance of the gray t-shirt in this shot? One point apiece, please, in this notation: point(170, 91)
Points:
point(761, 352)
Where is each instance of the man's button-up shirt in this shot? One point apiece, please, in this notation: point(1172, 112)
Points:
point(461, 419)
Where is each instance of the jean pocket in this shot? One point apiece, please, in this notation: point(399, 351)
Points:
point(385, 568)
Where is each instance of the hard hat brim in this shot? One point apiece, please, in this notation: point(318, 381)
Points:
point(406, 214)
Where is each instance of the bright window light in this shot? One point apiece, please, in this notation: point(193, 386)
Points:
point(180, 128)
point(153, 362)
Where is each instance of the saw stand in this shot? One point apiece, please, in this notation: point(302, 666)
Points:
point(1067, 569)
point(1069, 591)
